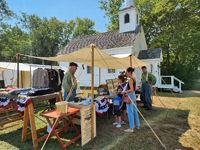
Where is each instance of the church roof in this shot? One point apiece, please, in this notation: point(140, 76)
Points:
point(150, 53)
point(106, 40)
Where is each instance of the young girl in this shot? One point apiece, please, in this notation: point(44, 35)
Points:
point(119, 90)
point(131, 109)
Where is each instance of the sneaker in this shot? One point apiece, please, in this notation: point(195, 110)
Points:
point(115, 123)
point(118, 126)
point(123, 122)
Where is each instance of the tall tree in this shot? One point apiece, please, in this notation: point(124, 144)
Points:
point(173, 26)
point(5, 12)
point(111, 8)
point(48, 36)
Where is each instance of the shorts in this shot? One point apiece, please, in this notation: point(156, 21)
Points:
point(124, 106)
point(117, 112)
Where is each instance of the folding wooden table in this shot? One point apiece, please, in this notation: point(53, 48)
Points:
point(71, 113)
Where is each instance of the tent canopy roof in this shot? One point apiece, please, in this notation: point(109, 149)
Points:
point(101, 59)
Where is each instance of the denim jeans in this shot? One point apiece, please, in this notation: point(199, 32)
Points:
point(70, 98)
point(132, 111)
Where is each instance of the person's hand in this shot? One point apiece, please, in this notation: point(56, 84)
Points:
point(123, 92)
point(150, 85)
point(120, 107)
point(70, 95)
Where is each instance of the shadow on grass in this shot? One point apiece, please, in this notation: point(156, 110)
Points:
point(169, 129)
point(179, 95)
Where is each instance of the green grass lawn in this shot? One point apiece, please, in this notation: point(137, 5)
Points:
point(178, 127)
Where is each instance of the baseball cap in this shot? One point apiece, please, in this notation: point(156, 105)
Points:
point(73, 64)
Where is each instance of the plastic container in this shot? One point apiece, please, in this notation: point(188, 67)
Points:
point(59, 106)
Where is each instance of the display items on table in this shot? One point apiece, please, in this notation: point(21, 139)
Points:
point(112, 84)
point(61, 107)
point(102, 89)
point(115, 83)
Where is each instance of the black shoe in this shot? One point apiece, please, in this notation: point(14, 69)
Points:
point(143, 106)
point(148, 109)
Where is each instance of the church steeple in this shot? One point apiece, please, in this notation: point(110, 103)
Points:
point(128, 17)
point(128, 3)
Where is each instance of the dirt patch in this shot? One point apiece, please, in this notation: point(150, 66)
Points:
point(191, 91)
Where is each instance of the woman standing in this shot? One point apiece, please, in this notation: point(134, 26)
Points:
point(132, 111)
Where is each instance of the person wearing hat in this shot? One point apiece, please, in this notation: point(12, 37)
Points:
point(148, 79)
point(68, 80)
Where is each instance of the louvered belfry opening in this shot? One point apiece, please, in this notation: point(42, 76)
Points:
point(126, 18)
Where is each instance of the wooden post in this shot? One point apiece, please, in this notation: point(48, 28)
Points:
point(30, 75)
point(33, 127)
point(151, 87)
point(99, 76)
point(92, 95)
point(22, 79)
point(24, 130)
point(2, 75)
point(131, 60)
point(17, 57)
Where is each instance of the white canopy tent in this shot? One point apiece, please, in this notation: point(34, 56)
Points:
point(94, 57)
point(101, 59)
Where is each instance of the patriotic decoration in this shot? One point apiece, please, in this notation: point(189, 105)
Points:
point(102, 106)
point(18, 104)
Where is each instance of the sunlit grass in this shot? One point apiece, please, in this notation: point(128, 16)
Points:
point(178, 127)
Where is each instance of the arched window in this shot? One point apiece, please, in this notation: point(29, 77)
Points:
point(126, 18)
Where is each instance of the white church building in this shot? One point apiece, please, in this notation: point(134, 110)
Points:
point(129, 39)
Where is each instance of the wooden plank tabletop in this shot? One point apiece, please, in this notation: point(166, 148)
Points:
point(54, 113)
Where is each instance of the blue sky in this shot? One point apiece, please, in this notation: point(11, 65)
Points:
point(62, 10)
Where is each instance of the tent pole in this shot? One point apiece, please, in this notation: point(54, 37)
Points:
point(17, 57)
point(99, 76)
point(30, 75)
point(2, 75)
point(131, 60)
point(92, 95)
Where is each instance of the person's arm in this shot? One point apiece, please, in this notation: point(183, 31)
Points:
point(152, 79)
point(122, 103)
point(130, 82)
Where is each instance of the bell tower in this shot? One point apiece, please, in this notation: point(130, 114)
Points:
point(128, 17)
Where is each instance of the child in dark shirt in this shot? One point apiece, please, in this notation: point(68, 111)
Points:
point(117, 108)
point(119, 90)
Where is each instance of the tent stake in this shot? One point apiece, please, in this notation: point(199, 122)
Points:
point(92, 95)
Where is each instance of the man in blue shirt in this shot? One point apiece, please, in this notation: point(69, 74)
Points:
point(117, 108)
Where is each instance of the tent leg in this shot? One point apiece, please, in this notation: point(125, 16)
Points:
point(92, 95)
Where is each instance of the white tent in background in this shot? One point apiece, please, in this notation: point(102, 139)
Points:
point(8, 73)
